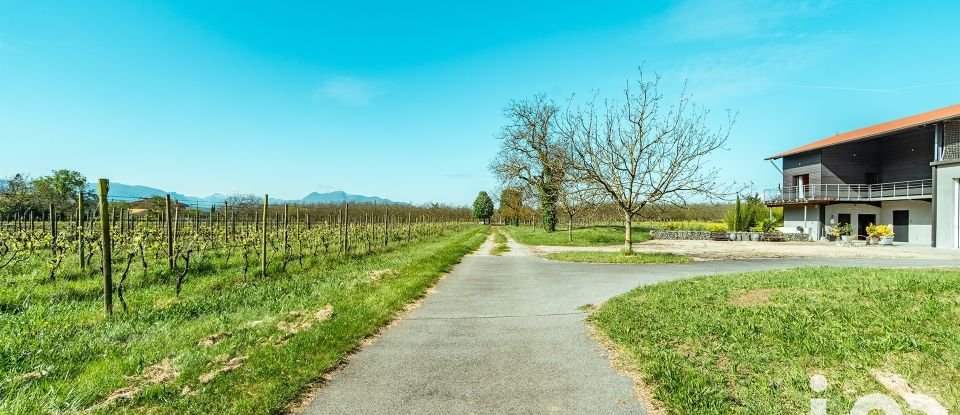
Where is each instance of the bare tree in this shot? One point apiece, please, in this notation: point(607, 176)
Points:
point(641, 153)
point(532, 154)
point(576, 197)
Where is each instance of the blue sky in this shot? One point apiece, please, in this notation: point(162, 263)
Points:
point(403, 99)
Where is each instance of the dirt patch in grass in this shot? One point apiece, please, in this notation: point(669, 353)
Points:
point(379, 274)
point(300, 320)
point(229, 366)
point(213, 339)
point(36, 374)
point(153, 375)
point(755, 298)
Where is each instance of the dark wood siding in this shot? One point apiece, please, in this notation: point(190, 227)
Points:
point(899, 157)
point(849, 163)
point(907, 156)
point(800, 164)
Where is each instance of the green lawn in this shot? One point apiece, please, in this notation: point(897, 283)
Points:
point(588, 236)
point(618, 258)
point(227, 345)
point(748, 344)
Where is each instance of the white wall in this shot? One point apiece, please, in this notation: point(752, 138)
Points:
point(947, 214)
point(793, 217)
point(920, 213)
point(853, 209)
point(920, 216)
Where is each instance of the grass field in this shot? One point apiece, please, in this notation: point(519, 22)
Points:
point(587, 236)
point(227, 345)
point(618, 258)
point(748, 344)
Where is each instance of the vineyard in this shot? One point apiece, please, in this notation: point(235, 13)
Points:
point(95, 299)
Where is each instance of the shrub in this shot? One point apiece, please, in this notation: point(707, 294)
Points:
point(841, 229)
point(744, 216)
point(764, 225)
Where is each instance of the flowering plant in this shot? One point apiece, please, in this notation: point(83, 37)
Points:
point(840, 230)
point(879, 231)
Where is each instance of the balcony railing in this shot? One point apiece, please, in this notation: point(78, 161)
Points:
point(912, 189)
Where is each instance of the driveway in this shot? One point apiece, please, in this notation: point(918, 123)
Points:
point(503, 335)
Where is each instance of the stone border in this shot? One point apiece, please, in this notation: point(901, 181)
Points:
point(707, 235)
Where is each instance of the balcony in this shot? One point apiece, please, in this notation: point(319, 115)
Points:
point(829, 193)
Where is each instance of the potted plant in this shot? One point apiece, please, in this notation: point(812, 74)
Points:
point(885, 233)
point(842, 231)
point(880, 234)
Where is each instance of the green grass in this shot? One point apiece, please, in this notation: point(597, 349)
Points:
point(618, 258)
point(748, 344)
point(57, 330)
point(587, 236)
point(500, 240)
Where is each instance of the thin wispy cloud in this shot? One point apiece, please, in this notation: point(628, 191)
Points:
point(876, 90)
point(843, 88)
point(697, 20)
point(349, 90)
point(750, 69)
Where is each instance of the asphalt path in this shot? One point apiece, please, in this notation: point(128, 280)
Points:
point(505, 335)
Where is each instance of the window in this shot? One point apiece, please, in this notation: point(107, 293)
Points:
point(871, 178)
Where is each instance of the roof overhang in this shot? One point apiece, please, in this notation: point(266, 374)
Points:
point(873, 131)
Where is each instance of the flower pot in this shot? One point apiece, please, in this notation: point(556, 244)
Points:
point(886, 240)
point(755, 236)
point(845, 238)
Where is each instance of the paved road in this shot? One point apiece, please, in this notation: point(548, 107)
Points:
point(502, 335)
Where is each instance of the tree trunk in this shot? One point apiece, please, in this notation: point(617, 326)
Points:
point(570, 228)
point(628, 232)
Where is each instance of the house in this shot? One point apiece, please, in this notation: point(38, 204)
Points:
point(904, 172)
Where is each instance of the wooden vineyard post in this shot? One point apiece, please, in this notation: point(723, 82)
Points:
point(53, 230)
point(263, 241)
point(169, 225)
point(346, 228)
point(386, 226)
point(80, 239)
point(104, 187)
point(286, 230)
point(409, 226)
point(226, 223)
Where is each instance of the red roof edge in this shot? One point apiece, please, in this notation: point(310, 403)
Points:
point(878, 129)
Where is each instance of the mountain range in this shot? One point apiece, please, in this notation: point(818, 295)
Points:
point(127, 191)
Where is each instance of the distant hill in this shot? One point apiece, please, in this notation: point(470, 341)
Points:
point(340, 197)
point(126, 191)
